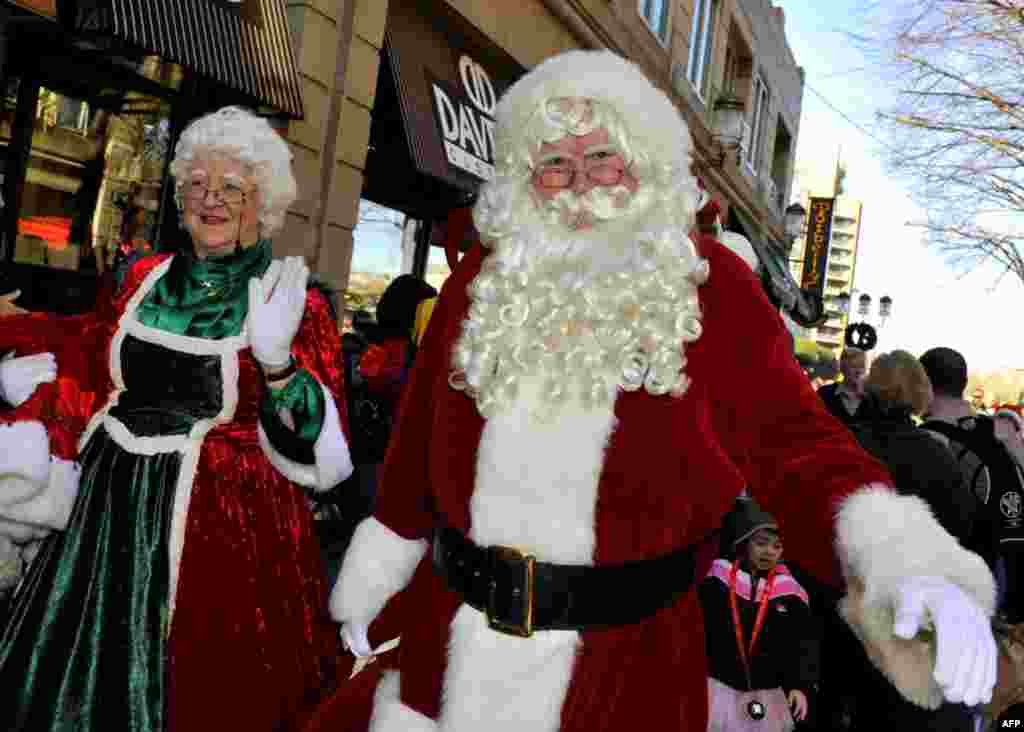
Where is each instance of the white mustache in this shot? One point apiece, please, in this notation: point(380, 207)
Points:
point(600, 202)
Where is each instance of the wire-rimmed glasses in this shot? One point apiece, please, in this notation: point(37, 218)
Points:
point(229, 194)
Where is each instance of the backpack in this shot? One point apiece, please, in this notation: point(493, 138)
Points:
point(974, 443)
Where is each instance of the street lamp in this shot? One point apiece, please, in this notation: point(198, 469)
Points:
point(864, 305)
point(862, 334)
point(728, 126)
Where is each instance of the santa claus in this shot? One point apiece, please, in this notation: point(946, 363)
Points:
point(593, 392)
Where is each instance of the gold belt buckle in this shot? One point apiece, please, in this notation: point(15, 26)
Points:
point(523, 629)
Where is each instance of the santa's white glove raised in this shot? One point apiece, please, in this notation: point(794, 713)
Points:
point(24, 462)
point(276, 303)
point(355, 639)
point(20, 376)
point(965, 650)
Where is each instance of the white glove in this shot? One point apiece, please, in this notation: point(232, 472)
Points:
point(19, 377)
point(24, 461)
point(354, 638)
point(276, 304)
point(966, 656)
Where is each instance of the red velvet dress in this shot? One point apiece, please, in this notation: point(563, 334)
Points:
point(250, 645)
point(672, 469)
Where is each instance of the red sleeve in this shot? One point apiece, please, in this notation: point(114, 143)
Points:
point(799, 460)
point(317, 348)
point(404, 501)
point(81, 345)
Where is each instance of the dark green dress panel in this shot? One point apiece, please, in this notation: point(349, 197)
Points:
point(94, 591)
point(85, 646)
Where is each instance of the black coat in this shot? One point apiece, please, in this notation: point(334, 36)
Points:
point(920, 464)
point(834, 403)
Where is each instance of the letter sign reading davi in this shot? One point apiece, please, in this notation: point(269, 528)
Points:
point(466, 119)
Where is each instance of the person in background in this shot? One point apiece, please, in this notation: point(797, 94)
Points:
point(134, 245)
point(896, 389)
point(762, 641)
point(842, 398)
point(991, 469)
point(1010, 429)
point(190, 415)
point(394, 336)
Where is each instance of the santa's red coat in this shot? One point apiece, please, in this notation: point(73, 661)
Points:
point(672, 468)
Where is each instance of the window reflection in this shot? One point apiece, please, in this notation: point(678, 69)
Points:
point(92, 185)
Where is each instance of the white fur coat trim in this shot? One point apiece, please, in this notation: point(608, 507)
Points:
point(24, 460)
point(391, 715)
point(378, 563)
point(333, 460)
point(536, 489)
point(883, 539)
point(51, 507)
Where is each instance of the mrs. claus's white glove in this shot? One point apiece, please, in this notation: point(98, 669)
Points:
point(276, 304)
point(965, 655)
point(20, 376)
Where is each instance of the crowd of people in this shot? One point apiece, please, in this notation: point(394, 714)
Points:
point(595, 453)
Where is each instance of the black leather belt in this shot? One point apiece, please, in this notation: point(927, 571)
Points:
point(519, 595)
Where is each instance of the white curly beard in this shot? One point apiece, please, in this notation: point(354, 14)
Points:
point(593, 310)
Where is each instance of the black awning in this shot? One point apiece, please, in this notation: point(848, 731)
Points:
point(245, 46)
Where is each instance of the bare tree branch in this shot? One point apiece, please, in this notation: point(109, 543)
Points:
point(956, 129)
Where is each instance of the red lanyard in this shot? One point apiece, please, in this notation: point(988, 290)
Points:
point(745, 654)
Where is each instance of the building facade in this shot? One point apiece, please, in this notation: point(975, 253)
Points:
point(395, 97)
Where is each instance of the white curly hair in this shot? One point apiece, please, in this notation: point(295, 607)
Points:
point(596, 310)
point(238, 134)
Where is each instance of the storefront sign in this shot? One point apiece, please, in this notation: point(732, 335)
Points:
point(447, 78)
point(43, 7)
point(465, 117)
point(819, 234)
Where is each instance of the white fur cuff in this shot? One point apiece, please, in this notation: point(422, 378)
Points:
point(377, 565)
point(883, 539)
point(50, 507)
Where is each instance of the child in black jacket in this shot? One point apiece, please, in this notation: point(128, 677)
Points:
point(762, 641)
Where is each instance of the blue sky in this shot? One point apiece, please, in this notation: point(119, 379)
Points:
point(933, 304)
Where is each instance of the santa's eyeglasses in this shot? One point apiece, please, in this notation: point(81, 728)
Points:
point(605, 168)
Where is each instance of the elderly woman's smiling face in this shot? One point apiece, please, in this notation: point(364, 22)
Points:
point(221, 205)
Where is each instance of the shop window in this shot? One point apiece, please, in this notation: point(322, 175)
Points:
point(382, 249)
point(702, 37)
point(92, 184)
point(437, 268)
point(657, 13)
